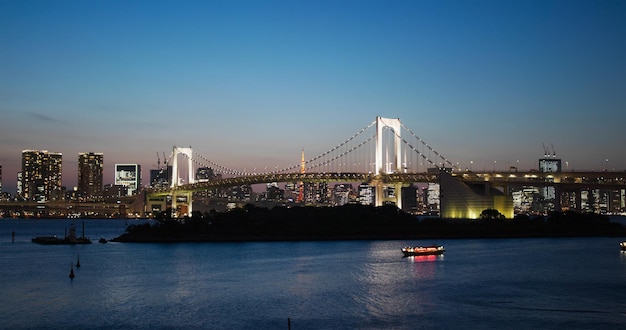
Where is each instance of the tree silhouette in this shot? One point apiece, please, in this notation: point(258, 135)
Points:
point(491, 214)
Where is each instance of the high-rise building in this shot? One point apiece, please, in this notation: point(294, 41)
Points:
point(549, 164)
point(19, 190)
point(315, 192)
point(41, 175)
point(128, 175)
point(90, 174)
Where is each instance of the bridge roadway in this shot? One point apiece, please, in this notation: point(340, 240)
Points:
point(299, 177)
point(589, 180)
point(567, 180)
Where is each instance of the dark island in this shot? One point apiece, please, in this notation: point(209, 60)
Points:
point(357, 222)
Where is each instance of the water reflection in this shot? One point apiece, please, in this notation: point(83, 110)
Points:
point(430, 258)
point(393, 286)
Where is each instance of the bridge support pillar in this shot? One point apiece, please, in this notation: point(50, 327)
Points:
point(156, 203)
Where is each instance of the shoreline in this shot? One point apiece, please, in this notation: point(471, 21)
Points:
point(254, 224)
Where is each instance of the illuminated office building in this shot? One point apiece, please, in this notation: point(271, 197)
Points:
point(341, 193)
point(90, 174)
point(315, 192)
point(549, 164)
point(129, 176)
point(367, 194)
point(41, 175)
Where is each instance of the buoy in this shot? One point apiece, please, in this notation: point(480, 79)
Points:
point(72, 271)
point(78, 262)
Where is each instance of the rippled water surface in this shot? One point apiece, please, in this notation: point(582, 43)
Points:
point(577, 283)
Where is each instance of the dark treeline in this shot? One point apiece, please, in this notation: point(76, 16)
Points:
point(358, 222)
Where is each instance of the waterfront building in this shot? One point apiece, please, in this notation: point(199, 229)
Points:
point(128, 175)
point(41, 175)
point(527, 199)
point(315, 192)
point(549, 164)
point(90, 174)
point(114, 191)
point(341, 193)
point(367, 194)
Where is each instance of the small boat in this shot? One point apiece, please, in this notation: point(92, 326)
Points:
point(622, 246)
point(423, 250)
point(102, 240)
point(70, 238)
point(46, 239)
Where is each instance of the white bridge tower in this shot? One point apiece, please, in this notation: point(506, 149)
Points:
point(388, 192)
point(182, 200)
point(188, 153)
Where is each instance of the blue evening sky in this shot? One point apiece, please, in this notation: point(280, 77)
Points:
point(250, 83)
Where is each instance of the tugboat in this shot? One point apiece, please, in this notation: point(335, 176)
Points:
point(70, 238)
point(423, 250)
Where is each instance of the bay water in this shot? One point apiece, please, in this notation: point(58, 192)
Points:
point(534, 283)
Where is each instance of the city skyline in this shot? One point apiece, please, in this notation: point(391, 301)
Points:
point(252, 83)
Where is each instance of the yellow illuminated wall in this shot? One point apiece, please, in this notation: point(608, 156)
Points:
point(462, 201)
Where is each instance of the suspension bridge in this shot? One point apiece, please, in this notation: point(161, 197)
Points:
point(385, 154)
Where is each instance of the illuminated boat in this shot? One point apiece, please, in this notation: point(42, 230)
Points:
point(423, 250)
point(622, 245)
